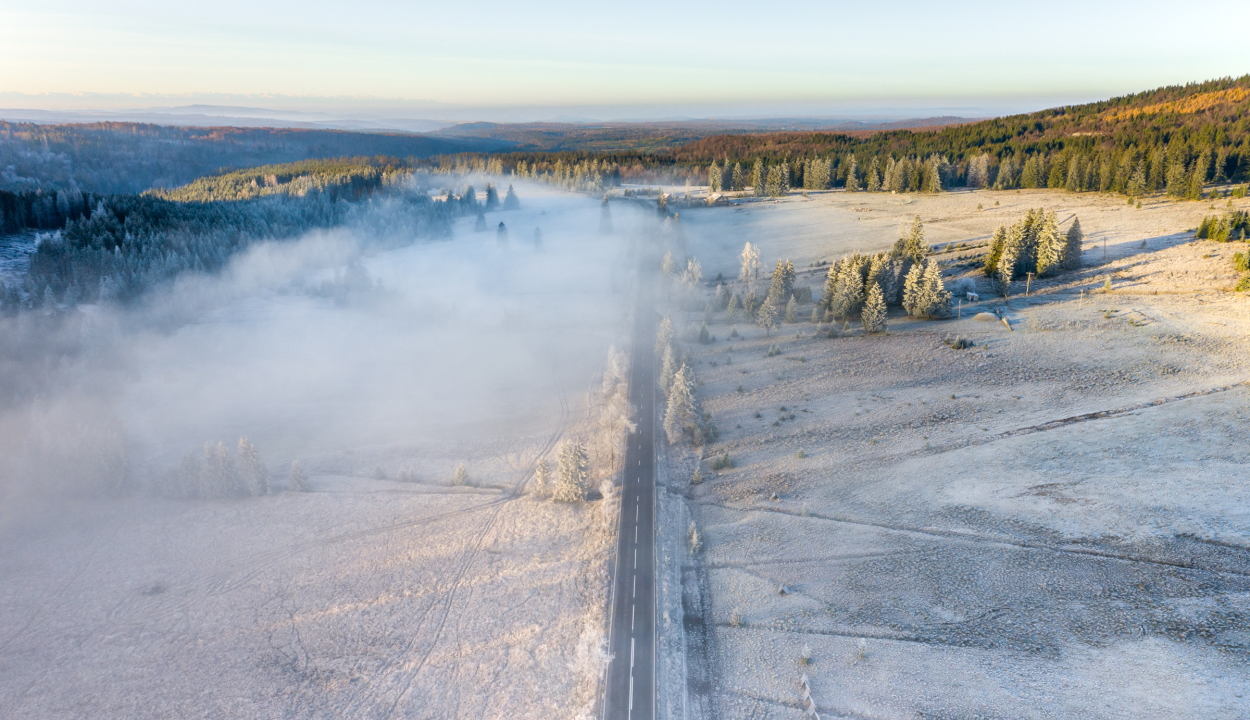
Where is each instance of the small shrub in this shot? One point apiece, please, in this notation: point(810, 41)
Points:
point(735, 618)
point(805, 655)
point(696, 541)
point(697, 477)
point(461, 476)
point(773, 350)
point(722, 463)
point(800, 455)
point(1241, 262)
point(740, 389)
point(1106, 284)
point(957, 343)
point(1244, 284)
point(734, 333)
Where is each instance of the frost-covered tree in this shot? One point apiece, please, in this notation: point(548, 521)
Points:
point(573, 473)
point(681, 415)
point(252, 472)
point(668, 369)
point(777, 184)
point(543, 483)
point(853, 180)
point(979, 171)
point(297, 479)
point(766, 316)
point(693, 274)
point(480, 224)
point(511, 201)
point(782, 283)
point(1051, 245)
point(924, 294)
point(501, 234)
point(873, 316)
point(714, 175)
point(664, 335)
point(667, 265)
point(872, 179)
point(460, 476)
point(731, 309)
point(492, 197)
point(1072, 246)
point(757, 178)
point(220, 472)
point(749, 268)
point(792, 311)
point(738, 178)
point(912, 246)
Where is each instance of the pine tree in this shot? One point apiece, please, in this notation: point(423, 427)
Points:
point(680, 416)
point(714, 175)
point(510, 201)
point(543, 485)
point(979, 171)
point(492, 197)
point(738, 178)
point(731, 310)
point(1072, 246)
point(501, 234)
point(750, 267)
point(220, 472)
point(912, 246)
point(782, 284)
point(852, 174)
point(757, 178)
point(873, 315)
point(1050, 245)
point(997, 242)
point(480, 225)
point(925, 296)
point(664, 335)
point(668, 369)
point(255, 477)
point(792, 310)
point(873, 177)
point(694, 272)
point(461, 476)
point(573, 473)
point(667, 265)
point(297, 479)
point(766, 316)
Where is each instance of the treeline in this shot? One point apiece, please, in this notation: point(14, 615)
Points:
point(1177, 140)
point(126, 244)
point(114, 158)
point(339, 178)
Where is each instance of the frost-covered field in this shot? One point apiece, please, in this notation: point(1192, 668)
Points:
point(943, 554)
point(384, 590)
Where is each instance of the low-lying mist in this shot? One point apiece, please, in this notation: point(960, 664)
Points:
point(316, 348)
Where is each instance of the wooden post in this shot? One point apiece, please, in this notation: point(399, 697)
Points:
point(1028, 282)
point(960, 309)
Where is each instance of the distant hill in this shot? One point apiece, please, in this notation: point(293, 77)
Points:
point(658, 136)
point(133, 157)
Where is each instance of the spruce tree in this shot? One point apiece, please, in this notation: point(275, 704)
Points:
point(792, 309)
point(480, 225)
point(501, 234)
point(664, 335)
point(925, 296)
point(1072, 246)
point(605, 218)
point(1050, 245)
point(738, 178)
point(681, 416)
point(757, 178)
point(668, 369)
point(543, 484)
point(873, 177)
point(713, 177)
point(510, 201)
point(852, 174)
point(766, 316)
point(731, 310)
point(912, 246)
point(573, 473)
point(750, 266)
point(492, 197)
point(873, 315)
point(254, 476)
point(297, 479)
point(997, 242)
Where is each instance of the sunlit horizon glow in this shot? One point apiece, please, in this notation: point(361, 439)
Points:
point(807, 58)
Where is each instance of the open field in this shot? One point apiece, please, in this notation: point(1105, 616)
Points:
point(385, 590)
point(946, 547)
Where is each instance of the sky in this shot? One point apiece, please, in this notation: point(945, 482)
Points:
point(646, 57)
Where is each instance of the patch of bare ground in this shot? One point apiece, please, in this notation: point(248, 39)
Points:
point(1051, 523)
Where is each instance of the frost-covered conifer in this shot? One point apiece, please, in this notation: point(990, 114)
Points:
point(668, 369)
point(766, 316)
point(220, 473)
point(693, 274)
point(480, 225)
point(750, 266)
point(492, 197)
point(511, 201)
point(792, 310)
point(667, 265)
point(714, 175)
point(873, 315)
point(460, 476)
point(925, 296)
point(757, 178)
point(605, 218)
point(253, 473)
point(501, 234)
point(1072, 246)
point(543, 484)
point(731, 310)
point(573, 473)
point(912, 245)
point(297, 479)
point(680, 415)
point(664, 335)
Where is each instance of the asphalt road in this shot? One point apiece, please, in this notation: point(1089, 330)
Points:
point(630, 692)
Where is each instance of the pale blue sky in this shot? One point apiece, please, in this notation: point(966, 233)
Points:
point(770, 55)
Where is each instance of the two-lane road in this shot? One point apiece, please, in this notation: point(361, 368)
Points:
point(630, 692)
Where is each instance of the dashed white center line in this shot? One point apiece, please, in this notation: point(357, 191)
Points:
point(635, 558)
point(633, 613)
point(635, 534)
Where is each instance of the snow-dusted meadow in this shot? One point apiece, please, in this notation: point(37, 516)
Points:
point(382, 591)
point(945, 552)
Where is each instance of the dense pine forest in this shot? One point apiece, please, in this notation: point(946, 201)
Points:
point(116, 247)
point(1176, 140)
